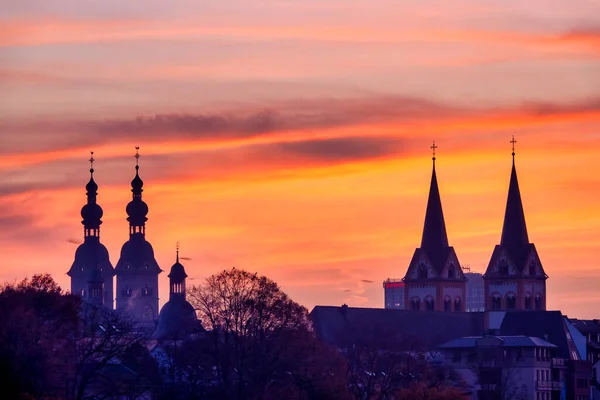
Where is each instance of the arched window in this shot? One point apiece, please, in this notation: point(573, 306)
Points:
point(457, 304)
point(538, 301)
point(503, 267)
point(447, 304)
point(82, 292)
point(511, 301)
point(127, 291)
point(415, 304)
point(496, 302)
point(528, 301)
point(422, 271)
point(451, 272)
point(429, 304)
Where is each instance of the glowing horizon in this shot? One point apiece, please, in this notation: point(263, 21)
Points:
point(292, 139)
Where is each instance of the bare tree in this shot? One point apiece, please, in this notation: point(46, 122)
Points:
point(99, 349)
point(254, 328)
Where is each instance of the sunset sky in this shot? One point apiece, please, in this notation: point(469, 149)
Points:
point(291, 138)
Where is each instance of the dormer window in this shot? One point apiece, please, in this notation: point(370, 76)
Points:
point(423, 271)
point(451, 272)
point(503, 268)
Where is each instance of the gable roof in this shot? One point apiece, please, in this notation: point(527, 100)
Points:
point(427, 330)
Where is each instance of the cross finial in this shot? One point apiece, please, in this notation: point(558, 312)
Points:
point(91, 160)
point(513, 141)
point(137, 157)
point(433, 147)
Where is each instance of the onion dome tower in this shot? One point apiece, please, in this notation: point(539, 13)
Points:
point(91, 257)
point(137, 270)
point(515, 278)
point(177, 317)
point(434, 280)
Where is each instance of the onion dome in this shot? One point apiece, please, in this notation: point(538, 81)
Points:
point(137, 209)
point(91, 212)
point(177, 273)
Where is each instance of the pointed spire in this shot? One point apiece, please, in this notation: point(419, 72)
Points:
point(514, 231)
point(434, 230)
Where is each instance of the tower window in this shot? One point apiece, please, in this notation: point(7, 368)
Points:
point(528, 301)
point(447, 304)
point(503, 267)
point(422, 271)
point(415, 304)
point(451, 272)
point(538, 302)
point(429, 304)
point(496, 302)
point(511, 302)
point(457, 304)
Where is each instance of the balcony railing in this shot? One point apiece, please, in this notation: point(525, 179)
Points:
point(548, 385)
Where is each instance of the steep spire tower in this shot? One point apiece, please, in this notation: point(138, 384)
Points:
point(91, 257)
point(137, 270)
point(434, 280)
point(515, 278)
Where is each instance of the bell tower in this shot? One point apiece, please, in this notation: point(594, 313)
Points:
point(515, 278)
point(91, 257)
point(137, 270)
point(434, 280)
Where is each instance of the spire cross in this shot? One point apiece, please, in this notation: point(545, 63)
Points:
point(513, 141)
point(91, 160)
point(137, 155)
point(433, 147)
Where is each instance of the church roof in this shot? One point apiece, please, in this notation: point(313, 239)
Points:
point(340, 326)
point(177, 319)
point(514, 231)
point(343, 326)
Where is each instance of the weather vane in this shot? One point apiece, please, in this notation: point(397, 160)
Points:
point(137, 154)
point(513, 141)
point(433, 147)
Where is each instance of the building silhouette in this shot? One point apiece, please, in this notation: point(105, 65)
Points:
point(177, 317)
point(515, 278)
point(92, 263)
point(137, 270)
point(434, 280)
